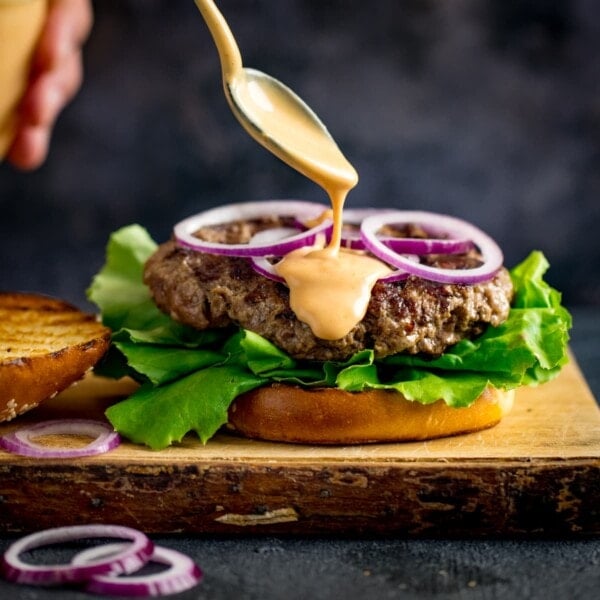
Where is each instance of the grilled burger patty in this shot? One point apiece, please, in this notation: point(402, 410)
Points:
point(412, 316)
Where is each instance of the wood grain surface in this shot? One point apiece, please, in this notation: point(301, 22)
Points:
point(536, 473)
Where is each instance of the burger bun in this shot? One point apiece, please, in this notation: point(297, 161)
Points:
point(332, 416)
point(45, 346)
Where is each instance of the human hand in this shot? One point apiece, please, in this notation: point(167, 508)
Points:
point(56, 76)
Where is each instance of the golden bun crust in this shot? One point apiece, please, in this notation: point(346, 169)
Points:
point(45, 346)
point(331, 416)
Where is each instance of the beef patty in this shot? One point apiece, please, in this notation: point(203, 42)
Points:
point(412, 316)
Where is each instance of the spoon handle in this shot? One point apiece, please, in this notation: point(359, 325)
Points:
point(229, 53)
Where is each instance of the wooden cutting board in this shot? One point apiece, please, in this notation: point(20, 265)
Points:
point(536, 473)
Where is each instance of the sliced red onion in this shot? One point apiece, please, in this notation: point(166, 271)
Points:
point(265, 268)
point(272, 237)
point(456, 228)
point(353, 241)
point(184, 230)
point(261, 264)
point(399, 274)
point(449, 236)
point(22, 441)
point(130, 558)
point(396, 275)
point(420, 246)
point(182, 574)
point(406, 245)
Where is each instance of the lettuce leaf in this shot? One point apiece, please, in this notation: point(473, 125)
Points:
point(160, 415)
point(190, 378)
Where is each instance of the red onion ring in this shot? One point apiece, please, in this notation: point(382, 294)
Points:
point(265, 268)
point(22, 441)
point(491, 253)
point(129, 559)
point(182, 574)
point(405, 245)
point(394, 276)
point(399, 274)
point(450, 236)
point(261, 264)
point(185, 229)
point(420, 246)
point(409, 245)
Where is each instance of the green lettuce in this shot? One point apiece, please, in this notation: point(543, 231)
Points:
point(189, 378)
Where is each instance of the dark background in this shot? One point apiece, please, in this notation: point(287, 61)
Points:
point(485, 109)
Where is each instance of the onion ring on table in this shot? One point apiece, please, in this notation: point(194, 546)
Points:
point(22, 441)
point(129, 559)
point(182, 573)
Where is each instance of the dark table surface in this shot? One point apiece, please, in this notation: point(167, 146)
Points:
point(296, 568)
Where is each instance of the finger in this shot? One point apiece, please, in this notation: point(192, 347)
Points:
point(44, 100)
point(50, 92)
point(30, 147)
point(68, 25)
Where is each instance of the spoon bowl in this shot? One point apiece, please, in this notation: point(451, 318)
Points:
point(274, 115)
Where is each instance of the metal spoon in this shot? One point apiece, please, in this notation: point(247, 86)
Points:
point(274, 115)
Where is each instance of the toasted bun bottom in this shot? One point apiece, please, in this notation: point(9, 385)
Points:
point(331, 416)
point(45, 346)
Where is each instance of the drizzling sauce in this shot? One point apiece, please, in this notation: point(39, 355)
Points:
point(330, 292)
point(329, 287)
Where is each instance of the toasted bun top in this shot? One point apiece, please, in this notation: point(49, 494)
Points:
point(331, 416)
point(45, 346)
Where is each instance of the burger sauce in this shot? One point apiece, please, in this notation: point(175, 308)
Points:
point(330, 287)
